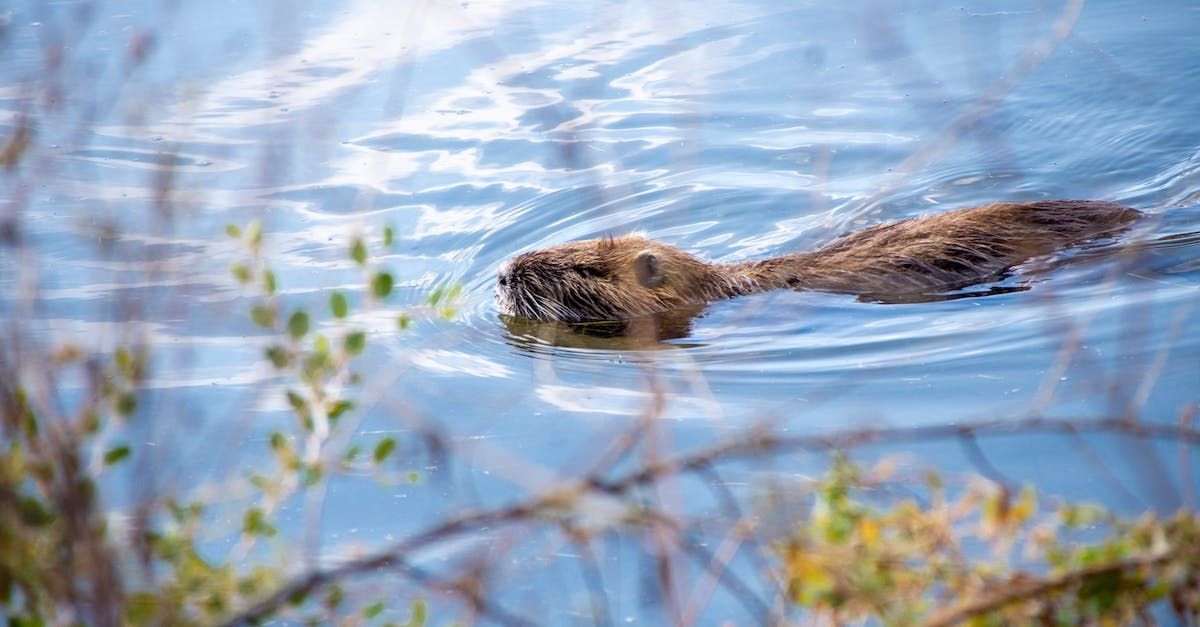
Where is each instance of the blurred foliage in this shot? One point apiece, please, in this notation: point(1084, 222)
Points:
point(61, 559)
point(984, 558)
point(989, 555)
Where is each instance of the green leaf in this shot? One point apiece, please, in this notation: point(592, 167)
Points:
point(298, 402)
point(127, 404)
point(141, 608)
point(263, 316)
point(320, 344)
point(436, 296)
point(233, 231)
point(298, 324)
point(278, 441)
point(373, 610)
point(124, 360)
point(254, 233)
point(297, 597)
point(403, 321)
point(381, 285)
point(338, 305)
point(240, 272)
point(389, 235)
point(384, 448)
point(116, 454)
point(269, 282)
point(418, 614)
point(254, 523)
point(315, 366)
point(355, 342)
point(279, 356)
point(358, 251)
point(310, 475)
point(443, 294)
point(33, 513)
point(333, 598)
point(338, 408)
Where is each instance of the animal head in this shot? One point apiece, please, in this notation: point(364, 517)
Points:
point(601, 279)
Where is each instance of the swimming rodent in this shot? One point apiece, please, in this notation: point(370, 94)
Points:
point(620, 278)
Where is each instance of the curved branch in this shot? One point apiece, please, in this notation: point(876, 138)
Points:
point(545, 505)
point(1039, 588)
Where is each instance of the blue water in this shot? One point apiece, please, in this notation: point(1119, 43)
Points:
point(482, 129)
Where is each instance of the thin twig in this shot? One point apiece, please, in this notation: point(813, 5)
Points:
point(752, 445)
point(1015, 591)
point(980, 461)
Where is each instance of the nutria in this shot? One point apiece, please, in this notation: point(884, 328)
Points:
point(619, 278)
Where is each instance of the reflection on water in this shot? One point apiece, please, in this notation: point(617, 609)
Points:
point(632, 334)
point(482, 129)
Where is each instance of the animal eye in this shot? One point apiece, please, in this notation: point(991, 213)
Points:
point(587, 271)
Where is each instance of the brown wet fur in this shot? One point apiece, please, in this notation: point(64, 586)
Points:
point(627, 277)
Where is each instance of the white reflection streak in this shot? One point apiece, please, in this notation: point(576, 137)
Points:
point(371, 36)
point(622, 402)
point(456, 362)
point(485, 106)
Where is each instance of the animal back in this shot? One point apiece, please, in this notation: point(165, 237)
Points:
point(957, 248)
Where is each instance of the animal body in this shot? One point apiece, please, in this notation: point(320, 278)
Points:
point(620, 278)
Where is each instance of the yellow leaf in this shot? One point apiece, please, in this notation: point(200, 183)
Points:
point(868, 530)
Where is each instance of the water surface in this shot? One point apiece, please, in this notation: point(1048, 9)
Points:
point(478, 130)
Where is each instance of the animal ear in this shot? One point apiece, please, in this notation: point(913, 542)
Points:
point(647, 269)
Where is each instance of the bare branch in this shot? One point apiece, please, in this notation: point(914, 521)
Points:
point(752, 445)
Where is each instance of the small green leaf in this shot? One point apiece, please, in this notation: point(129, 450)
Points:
point(418, 614)
point(141, 608)
point(298, 324)
point(310, 475)
point(116, 454)
point(233, 231)
point(240, 272)
point(414, 477)
point(320, 344)
point(358, 251)
point(355, 342)
point(254, 233)
point(33, 513)
point(278, 441)
point(298, 403)
point(381, 285)
point(338, 305)
point(298, 597)
point(315, 366)
point(333, 598)
point(124, 360)
point(384, 448)
point(340, 407)
point(279, 356)
point(373, 610)
point(443, 294)
point(255, 523)
point(269, 282)
point(403, 321)
point(263, 316)
point(351, 453)
point(127, 404)
point(389, 235)
point(300, 406)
